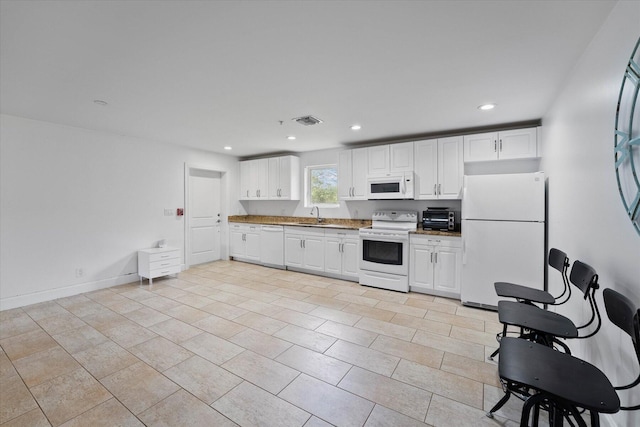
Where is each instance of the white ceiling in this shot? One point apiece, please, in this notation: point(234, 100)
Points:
point(207, 74)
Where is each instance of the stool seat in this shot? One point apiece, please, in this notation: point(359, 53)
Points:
point(511, 290)
point(559, 375)
point(535, 319)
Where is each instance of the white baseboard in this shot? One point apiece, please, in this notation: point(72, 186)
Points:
point(67, 291)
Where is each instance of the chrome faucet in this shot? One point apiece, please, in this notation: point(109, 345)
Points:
point(317, 214)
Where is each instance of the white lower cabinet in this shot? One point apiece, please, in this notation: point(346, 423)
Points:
point(158, 262)
point(304, 248)
point(244, 242)
point(341, 253)
point(435, 265)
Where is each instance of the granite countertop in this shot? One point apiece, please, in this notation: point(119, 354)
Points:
point(299, 221)
point(336, 223)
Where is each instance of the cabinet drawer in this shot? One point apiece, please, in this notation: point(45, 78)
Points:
point(174, 269)
point(165, 263)
point(164, 256)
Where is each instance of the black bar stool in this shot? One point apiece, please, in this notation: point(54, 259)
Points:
point(561, 383)
point(557, 260)
point(546, 327)
point(526, 295)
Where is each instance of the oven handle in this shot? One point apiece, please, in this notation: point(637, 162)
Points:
point(383, 238)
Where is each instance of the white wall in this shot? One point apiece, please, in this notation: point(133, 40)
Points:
point(74, 198)
point(351, 209)
point(586, 216)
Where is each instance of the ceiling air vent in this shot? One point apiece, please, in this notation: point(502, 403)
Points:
point(308, 120)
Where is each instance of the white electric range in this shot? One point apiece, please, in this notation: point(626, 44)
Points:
point(384, 261)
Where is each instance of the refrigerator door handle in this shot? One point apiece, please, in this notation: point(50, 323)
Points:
point(464, 251)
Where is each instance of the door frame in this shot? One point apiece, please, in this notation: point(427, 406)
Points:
point(224, 194)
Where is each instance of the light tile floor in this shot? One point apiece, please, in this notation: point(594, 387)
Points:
point(230, 343)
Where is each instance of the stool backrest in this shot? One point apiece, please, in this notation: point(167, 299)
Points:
point(583, 277)
point(625, 315)
point(558, 259)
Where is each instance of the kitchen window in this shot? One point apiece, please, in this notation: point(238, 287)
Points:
point(321, 186)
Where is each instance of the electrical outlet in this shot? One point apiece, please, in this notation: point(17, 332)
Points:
point(79, 272)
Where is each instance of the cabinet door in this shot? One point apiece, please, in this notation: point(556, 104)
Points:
point(448, 267)
point(261, 170)
point(313, 248)
point(245, 180)
point(236, 243)
point(351, 257)
point(289, 178)
point(360, 161)
point(426, 161)
point(274, 177)
point(345, 174)
point(517, 144)
point(293, 252)
point(378, 159)
point(332, 255)
point(421, 266)
point(252, 244)
point(450, 168)
point(401, 157)
point(481, 147)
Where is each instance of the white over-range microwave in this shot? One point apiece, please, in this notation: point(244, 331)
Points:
point(390, 186)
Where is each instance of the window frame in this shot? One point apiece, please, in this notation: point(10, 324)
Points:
point(307, 187)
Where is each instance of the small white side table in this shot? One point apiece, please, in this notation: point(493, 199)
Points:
point(158, 262)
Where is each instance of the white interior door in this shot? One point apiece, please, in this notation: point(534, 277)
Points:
point(204, 216)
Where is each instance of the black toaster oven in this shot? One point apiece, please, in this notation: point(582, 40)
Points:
point(441, 219)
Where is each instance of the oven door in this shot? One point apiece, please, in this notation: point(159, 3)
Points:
point(385, 252)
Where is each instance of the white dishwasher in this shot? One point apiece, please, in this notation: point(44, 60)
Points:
point(272, 245)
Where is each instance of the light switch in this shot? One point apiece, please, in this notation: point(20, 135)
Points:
point(168, 212)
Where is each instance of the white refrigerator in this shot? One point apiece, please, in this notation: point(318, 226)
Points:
point(503, 234)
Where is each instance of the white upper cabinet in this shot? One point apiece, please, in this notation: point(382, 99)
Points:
point(401, 157)
point(439, 168)
point(276, 178)
point(518, 144)
point(378, 159)
point(391, 158)
point(284, 178)
point(254, 177)
point(505, 145)
point(352, 174)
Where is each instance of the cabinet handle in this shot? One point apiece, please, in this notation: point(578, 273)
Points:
point(300, 242)
point(436, 254)
point(431, 257)
point(247, 193)
point(165, 264)
point(435, 189)
point(501, 146)
point(495, 146)
point(165, 272)
point(164, 256)
point(304, 244)
point(439, 188)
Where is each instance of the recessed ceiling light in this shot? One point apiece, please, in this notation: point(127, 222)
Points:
point(356, 127)
point(100, 102)
point(485, 107)
point(291, 137)
point(227, 148)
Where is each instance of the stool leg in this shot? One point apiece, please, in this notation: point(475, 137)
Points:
point(595, 419)
point(500, 404)
point(504, 334)
point(526, 408)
